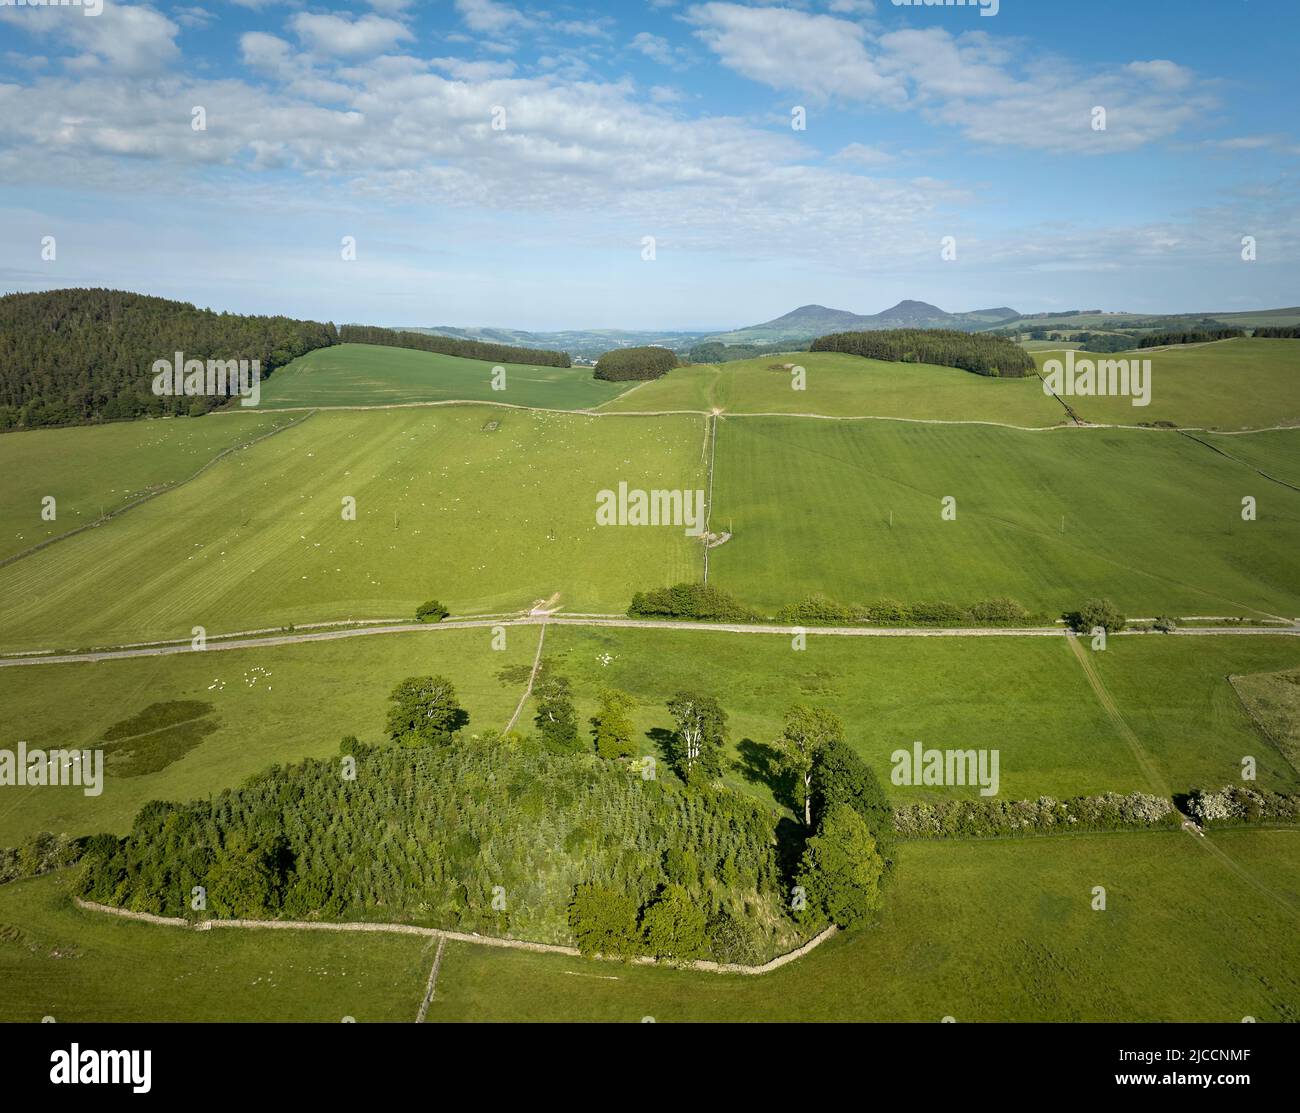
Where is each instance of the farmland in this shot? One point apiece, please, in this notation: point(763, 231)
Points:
point(59, 961)
point(248, 709)
point(372, 375)
point(1229, 384)
point(262, 706)
point(838, 385)
point(988, 931)
point(1150, 519)
point(462, 504)
point(1018, 912)
point(490, 510)
point(96, 471)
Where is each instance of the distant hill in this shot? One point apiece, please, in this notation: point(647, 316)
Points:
point(810, 321)
point(582, 344)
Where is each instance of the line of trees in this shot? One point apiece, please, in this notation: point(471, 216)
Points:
point(72, 357)
point(819, 610)
point(1279, 332)
point(452, 346)
point(624, 364)
point(980, 352)
point(701, 602)
point(714, 351)
point(1190, 336)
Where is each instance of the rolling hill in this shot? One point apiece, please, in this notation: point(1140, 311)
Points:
point(810, 321)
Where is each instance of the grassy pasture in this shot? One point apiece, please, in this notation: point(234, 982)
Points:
point(1229, 384)
point(94, 470)
point(1175, 695)
point(980, 931)
point(259, 707)
point(841, 385)
point(373, 375)
point(890, 692)
point(1273, 699)
point(1152, 519)
point(486, 509)
point(56, 960)
point(1275, 452)
point(954, 693)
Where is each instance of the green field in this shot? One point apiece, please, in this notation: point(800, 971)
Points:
point(263, 706)
point(372, 375)
point(953, 693)
point(979, 931)
point(57, 960)
point(1151, 519)
point(278, 704)
point(1230, 384)
point(486, 509)
point(1273, 700)
point(1276, 453)
point(1175, 695)
point(989, 931)
point(92, 471)
point(838, 385)
point(491, 511)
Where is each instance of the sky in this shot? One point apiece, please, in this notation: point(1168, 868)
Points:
point(652, 165)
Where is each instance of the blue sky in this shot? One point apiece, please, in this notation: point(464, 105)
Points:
point(669, 120)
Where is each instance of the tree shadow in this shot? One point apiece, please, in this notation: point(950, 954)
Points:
point(662, 740)
point(791, 837)
point(760, 763)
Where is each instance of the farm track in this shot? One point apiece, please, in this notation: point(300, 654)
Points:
point(214, 645)
point(1223, 857)
point(532, 678)
point(433, 982)
point(1152, 774)
point(598, 412)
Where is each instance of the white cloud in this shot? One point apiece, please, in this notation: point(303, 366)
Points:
point(122, 38)
point(862, 155)
point(339, 36)
point(465, 70)
point(262, 50)
point(989, 89)
point(491, 16)
point(825, 57)
point(655, 47)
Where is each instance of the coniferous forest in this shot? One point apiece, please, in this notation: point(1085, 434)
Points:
point(70, 357)
point(451, 346)
point(982, 353)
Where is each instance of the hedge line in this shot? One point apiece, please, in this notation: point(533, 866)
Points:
point(1236, 804)
point(948, 819)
